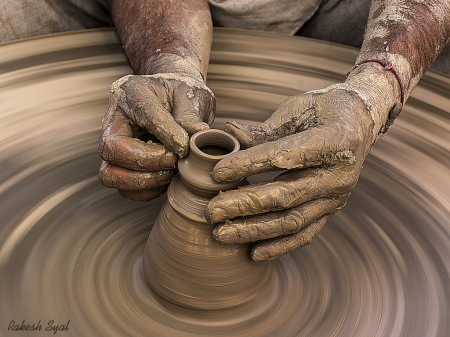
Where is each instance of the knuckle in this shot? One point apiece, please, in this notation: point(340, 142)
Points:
point(348, 183)
point(339, 203)
point(104, 149)
point(350, 134)
point(336, 203)
point(292, 222)
point(290, 101)
point(351, 181)
point(102, 169)
point(354, 132)
point(101, 147)
point(342, 200)
point(343, 181)
point(116, 87)
point(104, 175)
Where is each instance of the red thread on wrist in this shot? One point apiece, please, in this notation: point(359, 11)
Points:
point(388, 66)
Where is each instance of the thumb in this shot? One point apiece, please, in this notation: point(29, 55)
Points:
point(193, 108)
point(294, 114)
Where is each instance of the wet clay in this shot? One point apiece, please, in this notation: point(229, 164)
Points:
point(182, 262)
point(406, 35)
point(379, 268)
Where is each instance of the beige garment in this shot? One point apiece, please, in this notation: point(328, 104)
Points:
point(26, 18)
point(281, 16)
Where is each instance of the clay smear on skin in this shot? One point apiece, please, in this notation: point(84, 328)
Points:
point(408, 34)
point(394, 11)
point(178, 144)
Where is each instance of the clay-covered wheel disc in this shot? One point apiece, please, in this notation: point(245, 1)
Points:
point(71, 249)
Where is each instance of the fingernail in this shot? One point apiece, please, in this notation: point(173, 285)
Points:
point(169, 161)
point(241, 132)
point(181, 151)
point(194, 127)
point(233, 125)
point(262, 253)
point(216, 213)
point(222, 175)
point(257, 255)
point(217, 175)
point(179, 144)
point(225, 234)
point(164, 177)
point(199, 127)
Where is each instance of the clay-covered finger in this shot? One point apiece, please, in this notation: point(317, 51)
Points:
point(144, 195)
point(135, 154)
point(193, 108)
point(288, 190)
point(114, 176)
point(119, 146)
point(294, 114)
point(317, 146)
point(192, 127)
point(274, 248)
point(147, 105)
point(274, 224)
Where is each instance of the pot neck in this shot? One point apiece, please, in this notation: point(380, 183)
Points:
point(207, 148)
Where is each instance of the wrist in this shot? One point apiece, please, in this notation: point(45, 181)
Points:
point(387, 65)
point(396, 64)
point(381, 91)
point(162, 63)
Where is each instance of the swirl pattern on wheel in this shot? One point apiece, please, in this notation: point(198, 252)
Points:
point(71, 249)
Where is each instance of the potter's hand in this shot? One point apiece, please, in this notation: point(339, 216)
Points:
point(321, 138)
point(147, 127)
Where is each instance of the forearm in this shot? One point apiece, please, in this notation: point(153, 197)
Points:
point(407, 35)
point(402, 39)
point(159, 36)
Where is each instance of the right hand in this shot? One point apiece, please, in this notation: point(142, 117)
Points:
point(321, 138)
point(147, 127)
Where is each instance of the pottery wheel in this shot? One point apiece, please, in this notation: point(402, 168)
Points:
point(71, 249)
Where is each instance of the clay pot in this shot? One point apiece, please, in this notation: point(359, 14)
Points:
point(182, 261)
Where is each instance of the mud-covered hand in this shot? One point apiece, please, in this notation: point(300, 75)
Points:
point(147, 127)
point(321, 139)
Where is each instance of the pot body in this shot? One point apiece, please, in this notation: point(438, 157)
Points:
point(182, 261)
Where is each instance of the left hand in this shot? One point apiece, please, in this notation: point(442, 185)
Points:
point(321, 138)
point(147, 127)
